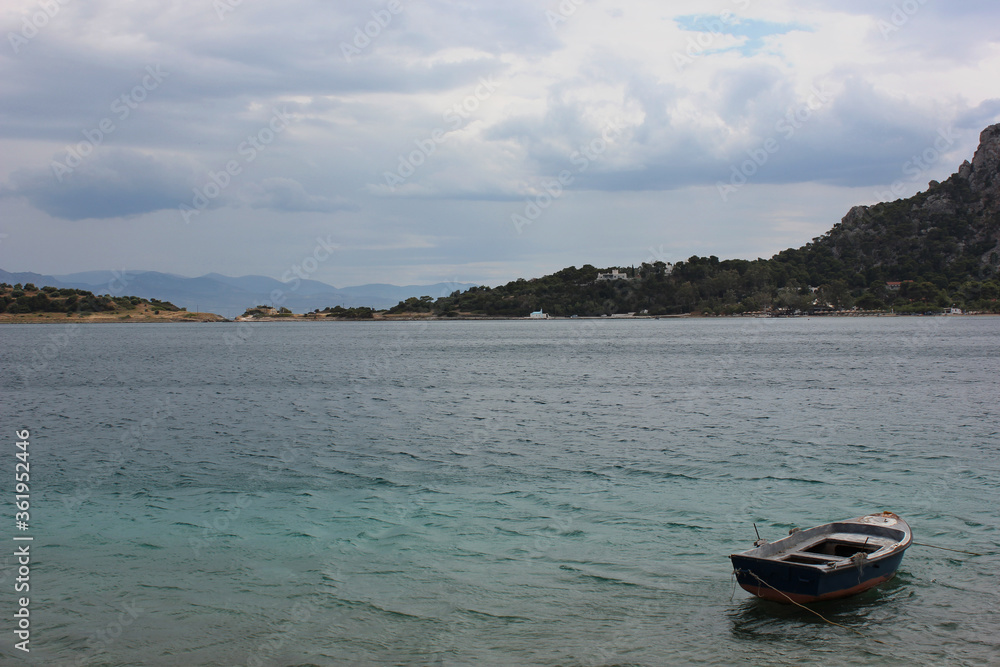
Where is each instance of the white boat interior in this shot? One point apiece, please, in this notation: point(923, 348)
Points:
point(836, 543)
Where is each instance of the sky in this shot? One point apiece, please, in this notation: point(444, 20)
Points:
point(422, 141)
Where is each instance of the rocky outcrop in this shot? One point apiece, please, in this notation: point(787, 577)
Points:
point(984, 181)
point(984, 172)
point(949, 225)
point(855, 217)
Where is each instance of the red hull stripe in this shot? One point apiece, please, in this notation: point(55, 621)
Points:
point(775, 596)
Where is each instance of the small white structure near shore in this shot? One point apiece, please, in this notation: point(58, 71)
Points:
point(538, 315)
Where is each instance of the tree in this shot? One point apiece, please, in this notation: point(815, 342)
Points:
point(869, 301)
point(837, 294)
point(791, 299)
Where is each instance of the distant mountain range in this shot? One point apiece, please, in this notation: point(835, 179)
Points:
point(227, 296)
point(937, 249)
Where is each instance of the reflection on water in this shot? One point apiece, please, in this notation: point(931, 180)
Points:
point(755, 619)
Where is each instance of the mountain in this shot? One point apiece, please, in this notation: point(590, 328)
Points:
point(937, 249)
point(229, 296)
point(265, 285)
point(946, 235)
point(27, 277)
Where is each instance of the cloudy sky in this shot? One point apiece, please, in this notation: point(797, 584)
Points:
point(417, 141)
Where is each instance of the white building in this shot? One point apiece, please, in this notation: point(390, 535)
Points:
point(539, 315)
point(614, 275)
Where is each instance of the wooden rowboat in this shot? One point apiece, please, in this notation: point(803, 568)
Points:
point(827, 562)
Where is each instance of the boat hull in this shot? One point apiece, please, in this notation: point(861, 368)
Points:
point(827, 562)
point(779, 582)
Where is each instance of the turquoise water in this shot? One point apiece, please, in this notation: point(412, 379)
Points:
point(503, 493)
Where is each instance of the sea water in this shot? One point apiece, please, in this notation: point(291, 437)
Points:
point(497, 492)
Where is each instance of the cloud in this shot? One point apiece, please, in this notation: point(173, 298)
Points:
point(986, 113)
point(751, 34)
point(285, 194)
point(684, 127)
point(119, 183)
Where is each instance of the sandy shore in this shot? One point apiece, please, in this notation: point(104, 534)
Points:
point(137, 315)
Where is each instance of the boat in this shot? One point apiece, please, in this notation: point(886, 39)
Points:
point(834, 560)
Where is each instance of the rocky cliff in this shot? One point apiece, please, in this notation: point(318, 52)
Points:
point(951, 230)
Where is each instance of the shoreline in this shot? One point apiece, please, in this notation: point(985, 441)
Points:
point(211, 318)
point(173, 317)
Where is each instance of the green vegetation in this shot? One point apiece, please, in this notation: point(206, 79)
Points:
point(940, 246)
point(424, 304)
point(260, 311)
point(935, 250)
point(360, 313)
point(710, 286)
point(30, 299)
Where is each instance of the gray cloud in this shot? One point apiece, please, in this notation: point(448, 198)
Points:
point(987, 113)
point(114, 184)
point(844, 132)
point(285, 194)
point(354, 117)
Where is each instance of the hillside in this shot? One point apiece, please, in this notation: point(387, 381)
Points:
point(948, 235)
point(230, 296)
point(937, 249)
point(28, 303)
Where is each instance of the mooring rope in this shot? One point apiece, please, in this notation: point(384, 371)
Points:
point(811, 611)
point(958, 551)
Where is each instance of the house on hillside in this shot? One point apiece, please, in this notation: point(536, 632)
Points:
point(614, 275)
